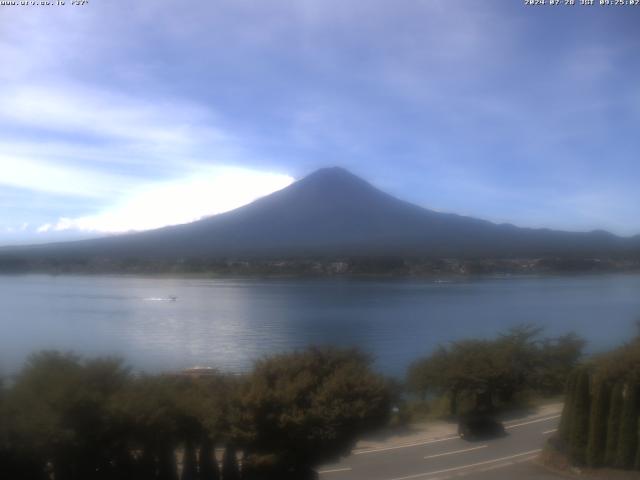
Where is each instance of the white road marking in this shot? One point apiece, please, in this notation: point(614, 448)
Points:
point(537, 420)
point(490, 468)
point(550, 431)
point(471, 465)
point(334, 470)
point(406, 445)
point(455, 451)
point(429, 442)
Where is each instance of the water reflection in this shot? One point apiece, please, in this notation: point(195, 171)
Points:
point(229, 323)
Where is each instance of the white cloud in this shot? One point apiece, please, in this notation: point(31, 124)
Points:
point(92, 133)
point(78, 110)
point(210, 191)
point(57, 178)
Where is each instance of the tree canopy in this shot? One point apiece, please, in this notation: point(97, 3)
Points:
point(490, 371)
point(609, 435)
point(308, 407)
point(79, 419)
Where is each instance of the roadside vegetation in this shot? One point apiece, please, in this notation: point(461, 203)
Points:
point(518, 367)
point(63, 417)
point(66, 418)
point(600, 424)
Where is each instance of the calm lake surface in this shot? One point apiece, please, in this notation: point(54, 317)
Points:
point(227, 323)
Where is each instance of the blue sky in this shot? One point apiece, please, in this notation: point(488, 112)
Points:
point(130, 115)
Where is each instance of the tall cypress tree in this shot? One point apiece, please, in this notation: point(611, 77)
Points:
point(613, 424)
point(230, 470)
point(637, 462)
point(579, 435)
point(208, 464)
point(598, 424)
point(628, 438)
point(189, 462)
point(167, 468)
point(145, 465)
point(567, 410)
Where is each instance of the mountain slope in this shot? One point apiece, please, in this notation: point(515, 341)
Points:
point(332, 212)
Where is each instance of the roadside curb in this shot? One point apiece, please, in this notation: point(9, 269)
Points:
point(448, 435)
point(556, 471)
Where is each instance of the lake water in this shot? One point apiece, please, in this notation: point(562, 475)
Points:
point(227, 323)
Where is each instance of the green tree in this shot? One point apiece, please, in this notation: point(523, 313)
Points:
point(218, 414)
point(208, 465)
point(598, 424)
point(490, 371)
point(59, 410)
point(558, 357)
point(636, 465)
point(519, 350)
point(230, 470)
point(189, 462)
point(628, 437)
point(564, 429)
point(148, 413)
point(613, 423)
point(308, 407)
point(580, 419)
point(432, 375)
point(470, 368)
point(15, 461)
point(622, 364)
point(199, 405)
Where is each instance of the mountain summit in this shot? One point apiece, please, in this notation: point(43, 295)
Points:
point(333, 212)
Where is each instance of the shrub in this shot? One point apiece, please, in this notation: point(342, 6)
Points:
point(309, 407)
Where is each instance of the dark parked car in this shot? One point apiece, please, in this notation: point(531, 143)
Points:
point(478, 426)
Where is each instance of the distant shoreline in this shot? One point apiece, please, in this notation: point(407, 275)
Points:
point(445, 269)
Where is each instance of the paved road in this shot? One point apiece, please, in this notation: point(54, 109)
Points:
point(507, 457)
